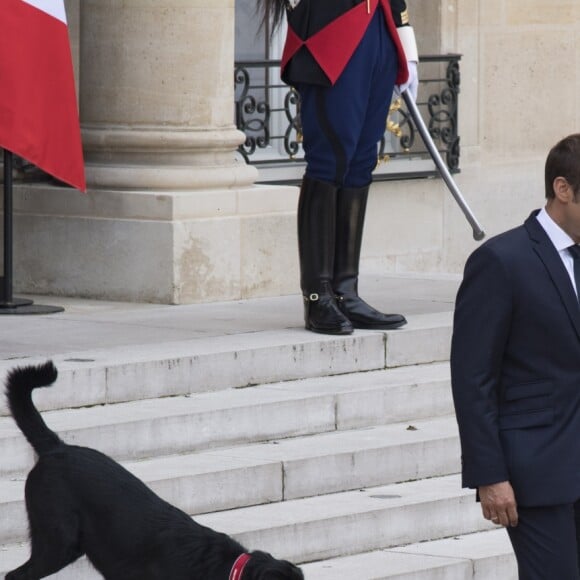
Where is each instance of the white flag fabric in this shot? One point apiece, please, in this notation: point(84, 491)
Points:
point(53, 7)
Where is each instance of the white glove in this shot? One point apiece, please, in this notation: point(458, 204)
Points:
point(412, 82)
point(409, 44)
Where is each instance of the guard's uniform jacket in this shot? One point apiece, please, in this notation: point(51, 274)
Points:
point(323, 35)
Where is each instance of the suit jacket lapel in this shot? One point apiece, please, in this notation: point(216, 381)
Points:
point(543, 246)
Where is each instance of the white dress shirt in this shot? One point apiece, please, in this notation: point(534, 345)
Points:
point(561, 240)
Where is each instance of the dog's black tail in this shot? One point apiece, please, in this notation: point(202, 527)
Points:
point(19, 386)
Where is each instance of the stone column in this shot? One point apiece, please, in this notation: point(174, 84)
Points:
point(171, 214)
point(157, 95)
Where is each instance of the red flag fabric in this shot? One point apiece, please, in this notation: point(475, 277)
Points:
point(39, 118)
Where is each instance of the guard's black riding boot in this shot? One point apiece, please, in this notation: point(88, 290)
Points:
point(316, 235)
point(350, 216)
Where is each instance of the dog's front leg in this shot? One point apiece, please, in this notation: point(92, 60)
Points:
point(38, 567)
point(23, 572)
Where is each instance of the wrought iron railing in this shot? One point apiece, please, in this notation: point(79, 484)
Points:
point(268, 112)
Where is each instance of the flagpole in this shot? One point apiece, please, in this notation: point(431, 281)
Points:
point(7, 300)
point(8, 304)
point(7, 279)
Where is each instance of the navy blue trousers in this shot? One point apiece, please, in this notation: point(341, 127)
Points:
point(545, 543)
point(343, 124)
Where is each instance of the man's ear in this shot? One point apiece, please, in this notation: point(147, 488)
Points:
point(562, 190)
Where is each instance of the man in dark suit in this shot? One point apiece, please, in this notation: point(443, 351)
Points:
point(515, 370)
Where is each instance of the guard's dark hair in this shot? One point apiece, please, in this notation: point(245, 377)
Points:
point(272, 12)
point(564, 161)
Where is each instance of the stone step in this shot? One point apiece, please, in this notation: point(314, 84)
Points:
point(170, 425)
point(477, 556)
point(280, 470)
point(339, 524)
point(342, 524)
point(213, 363)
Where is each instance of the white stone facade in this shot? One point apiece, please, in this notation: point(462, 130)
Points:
point(173, 217)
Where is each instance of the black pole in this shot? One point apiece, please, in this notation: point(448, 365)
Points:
point(8, 210)
point(9, 305)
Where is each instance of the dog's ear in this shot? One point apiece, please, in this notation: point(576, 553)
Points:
point(264, 566)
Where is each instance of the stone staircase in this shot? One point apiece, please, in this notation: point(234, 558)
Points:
point(338, 453)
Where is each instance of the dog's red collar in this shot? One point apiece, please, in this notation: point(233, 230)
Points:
point(238, 567)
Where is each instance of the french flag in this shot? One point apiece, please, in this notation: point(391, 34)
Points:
point(39, 118)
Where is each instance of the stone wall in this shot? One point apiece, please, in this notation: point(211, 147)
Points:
point(170, 216)
point(520, 89)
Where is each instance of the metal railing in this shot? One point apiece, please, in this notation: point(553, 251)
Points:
point(268, 112)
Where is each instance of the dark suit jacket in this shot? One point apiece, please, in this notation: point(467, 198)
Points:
point(323, 34)
point(515, 368)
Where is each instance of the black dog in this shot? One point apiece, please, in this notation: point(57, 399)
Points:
point(80, 501)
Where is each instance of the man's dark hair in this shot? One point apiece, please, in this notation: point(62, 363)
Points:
point(272, 12)
point(564, 161)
